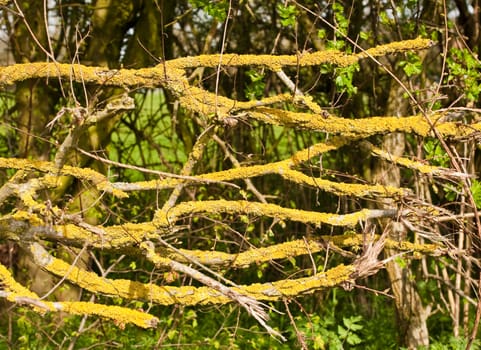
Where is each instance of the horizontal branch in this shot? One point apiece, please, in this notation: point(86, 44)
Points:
point(172, 75)
point(163, 219)
point(283, 169)
point(146, 77)
point(303, 59)
point(293, 249)
point(363, 127)
point(414, 165)
point(16, 293)
point(86, 174)
point(25, 226)
point(188, 295)
point(155, 76)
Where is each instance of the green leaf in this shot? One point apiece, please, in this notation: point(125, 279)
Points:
point(352, 323)
point(343, 333)
point(476, 192)
point(255, 89)
point(412, 65)
point(344, 79)
point(321, 33)
point(287, 14)
point(401, 262)
point(216, 9)
point(318, 342)
point(364, 35)
point(353, 339)
point(450, 192)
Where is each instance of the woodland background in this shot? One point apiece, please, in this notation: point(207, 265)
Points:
point(419, 287)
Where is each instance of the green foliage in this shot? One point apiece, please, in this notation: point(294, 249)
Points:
point(319, 332)
point(454, 343)
point(476, 192)
point(347, 332)
point(255, 89)
point(435, 154)
point(287, 14)
point(341, 21)
point(464, 70)
point(344, 79)
point(412, 65)
point(217, 9)
point(325, 333)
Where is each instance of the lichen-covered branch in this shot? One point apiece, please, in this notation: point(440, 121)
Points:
point(188, 295)
point(16, 293)
point(253, 306)
point(412, 164)
point(355, 128)
point(303, 59)
point(295, 248)
point(26, 226)
point(172, 75)
point(267, 210)
point(282, 168)
point(86, 174)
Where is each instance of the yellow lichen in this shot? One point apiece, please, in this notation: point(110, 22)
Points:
point(9, 284)
point(124, 77)
point(167, 295)
point(408, 163)
point(18, 293)
point(292, 249)
point(120, 315)
point(21, 215)
point(281, 168)
point(258, 209)
point(346, 127)
point(109, 237)
point(295, 287)
point(86, 174)
point(397, 46)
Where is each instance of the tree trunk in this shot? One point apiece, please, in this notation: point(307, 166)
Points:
point(412, 315)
